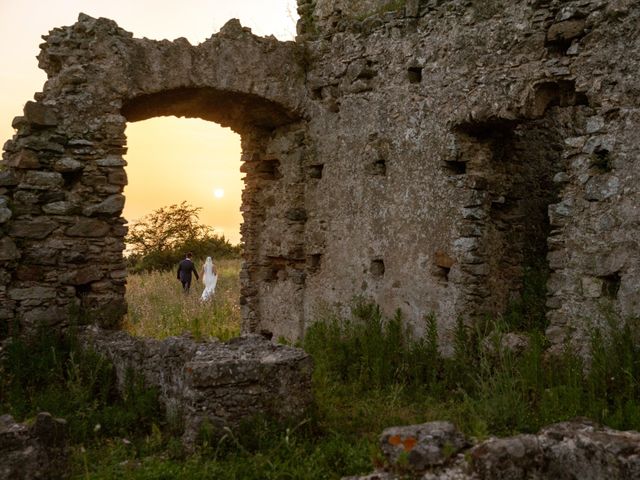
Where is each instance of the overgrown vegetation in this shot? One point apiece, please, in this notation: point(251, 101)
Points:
point(158, 241)
point(370, 373)
point(52, 374)
point(483, 388)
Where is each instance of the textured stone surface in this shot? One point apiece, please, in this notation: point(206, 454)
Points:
point(563, 451)
point(422, 446)
point(421, 154)
point(36, 451)
point(218, 383)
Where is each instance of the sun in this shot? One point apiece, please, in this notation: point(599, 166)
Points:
point(218, 192)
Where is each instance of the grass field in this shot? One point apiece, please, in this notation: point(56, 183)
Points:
point(158, 308)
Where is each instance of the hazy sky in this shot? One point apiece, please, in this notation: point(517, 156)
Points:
point(170, 159)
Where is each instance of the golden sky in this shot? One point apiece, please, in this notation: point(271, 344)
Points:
point(170, 159)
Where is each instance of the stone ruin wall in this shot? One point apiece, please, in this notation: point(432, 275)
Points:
point(421, 154)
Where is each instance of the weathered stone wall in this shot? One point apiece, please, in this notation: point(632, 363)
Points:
point(464, 142)
point(63, 177)
point(422, 154)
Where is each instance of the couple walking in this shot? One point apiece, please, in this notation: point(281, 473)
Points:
point(209, 276)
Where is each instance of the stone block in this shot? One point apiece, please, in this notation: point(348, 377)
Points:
point(423, 446)
point(442, 259)
point(60, 208)
point(8, 250)
point(88, 227)
point(8, 178)
point(32, 293)
point(218, 383)
point(41, 180)
point(40, 115)
point(24, 159)
point(37, 228)
point(567, 30)
point(36, 318)
point(68, 164)
point(111, 161)
point(5, 215)
point(36, 451)
point(591, 287)
point(81, 276)
point(110, 206)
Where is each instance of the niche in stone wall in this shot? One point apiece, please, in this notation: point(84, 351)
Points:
point(509, 168)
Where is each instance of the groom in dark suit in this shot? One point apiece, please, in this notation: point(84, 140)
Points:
point(185, 269)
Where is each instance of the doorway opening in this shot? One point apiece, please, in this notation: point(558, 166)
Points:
point(183, 195)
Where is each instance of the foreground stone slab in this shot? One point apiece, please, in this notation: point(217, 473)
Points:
point(36, 451)
point(577, 449)
point(210, 381)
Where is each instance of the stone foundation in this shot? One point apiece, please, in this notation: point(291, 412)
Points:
point(220, 384)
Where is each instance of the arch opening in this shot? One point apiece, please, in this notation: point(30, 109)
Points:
point(262, 125)
point(240, 111)
point(174, 166)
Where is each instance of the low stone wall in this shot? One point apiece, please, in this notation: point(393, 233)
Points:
point(567, 450)
point(36, 451)
point(210, 381)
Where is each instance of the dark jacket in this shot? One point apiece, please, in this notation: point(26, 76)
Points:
point(185, 269)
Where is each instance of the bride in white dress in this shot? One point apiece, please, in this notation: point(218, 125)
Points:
point(209, 278)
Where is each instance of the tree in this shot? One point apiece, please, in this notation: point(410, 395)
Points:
point(160, 239)
point(165, 229)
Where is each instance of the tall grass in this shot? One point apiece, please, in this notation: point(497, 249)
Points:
point(52, 374)
point(158, 308)
point(484, 388)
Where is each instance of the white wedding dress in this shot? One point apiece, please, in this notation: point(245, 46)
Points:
point(209, 279)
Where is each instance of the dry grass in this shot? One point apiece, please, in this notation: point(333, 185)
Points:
point(159, 309)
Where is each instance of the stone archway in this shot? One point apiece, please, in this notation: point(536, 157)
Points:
point(63, 252)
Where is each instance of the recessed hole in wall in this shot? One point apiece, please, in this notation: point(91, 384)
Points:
point(368, 72)
point(82, 290)
point(414, 74)
point(379, 167)
point(269, 169)
point(276, 269)
point(71, 179)
point(313, 262)
point(316, 93)
point(442, 263)
point(442, 273)
point(561, 93)
point(315, 171)
point(266, 333)
point(377, 267)
point(601, 160)
point(611, 285)
point(455, 167)
point(296, 215)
